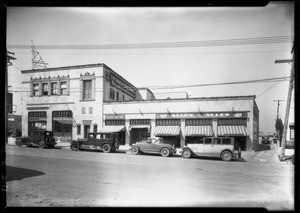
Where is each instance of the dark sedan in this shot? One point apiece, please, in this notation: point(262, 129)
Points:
point(153, 145)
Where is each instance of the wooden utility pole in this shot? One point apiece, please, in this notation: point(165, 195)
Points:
point(288, 105)
point(278, 107)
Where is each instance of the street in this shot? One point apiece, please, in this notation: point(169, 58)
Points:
point(61, 177)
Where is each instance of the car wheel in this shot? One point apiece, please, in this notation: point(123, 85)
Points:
point(19, 142)
point(134, 150)
point(226, 156)
point(293, 159)
point(41, 144)
point(106, 148)
point(186, 153)
point(165, 152)
point(74, 147)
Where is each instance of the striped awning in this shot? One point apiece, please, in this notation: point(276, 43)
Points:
point(232, 131)
point(198, 131)
point(167, 130)
point(110, 129)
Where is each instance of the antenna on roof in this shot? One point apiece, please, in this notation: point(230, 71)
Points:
point(37, 61)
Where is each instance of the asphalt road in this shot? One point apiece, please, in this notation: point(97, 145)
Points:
point(61, 177)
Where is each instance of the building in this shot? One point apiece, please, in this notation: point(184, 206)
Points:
point(74, 100)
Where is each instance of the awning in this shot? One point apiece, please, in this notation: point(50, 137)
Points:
point(198, 131)
point(110, 129)
point(167, 130)
point(232, 131)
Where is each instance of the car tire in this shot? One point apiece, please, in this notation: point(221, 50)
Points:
point(134, 150)
point(186, 153)
point(165, 152)
point(19, 142)
point(226, 156)
point(74, 147)
point(106, 148)
point(41, 144)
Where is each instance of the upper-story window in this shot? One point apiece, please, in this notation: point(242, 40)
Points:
point(45, 89)
point(54, 88)
point(36, 89)
point(50, 86)
point(63, 88)
point(112, 94)
point(87, 89)
point(87, 86)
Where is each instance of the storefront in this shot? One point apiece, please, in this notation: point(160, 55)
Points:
point(62, 124)
point(140, 129)
point(169, 130)
point(37, 120)
point(115, 124)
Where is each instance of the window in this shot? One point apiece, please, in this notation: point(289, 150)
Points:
point(44, 88)
point(112, 94)
point(78, 129)
point(90, 110)
point(117, 96)
point(83, 110)
point(95, 128)
point(292, 133)
point(207, 141)
point(226, 141)
point(54, 88)
point(63, 88)
point(36, 90)
point(217, 140)
point(87, 90)
point(114, 122)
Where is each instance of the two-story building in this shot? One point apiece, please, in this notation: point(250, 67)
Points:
point(74, 100)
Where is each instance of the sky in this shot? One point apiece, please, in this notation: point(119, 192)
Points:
point(153, 67)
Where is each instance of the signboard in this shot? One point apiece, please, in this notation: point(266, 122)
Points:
point(120, 84)
point(66, 113)
point(204, 115)
point(37, 114)
point(113, 116)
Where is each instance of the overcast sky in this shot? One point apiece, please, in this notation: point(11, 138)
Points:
point(148, 67)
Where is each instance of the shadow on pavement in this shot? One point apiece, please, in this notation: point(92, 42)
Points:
point(16, 173)
point(262, 147)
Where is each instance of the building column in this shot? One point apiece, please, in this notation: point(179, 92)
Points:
point(127, 132)
point(215, 127)
point(182, 135)
point(152, 127)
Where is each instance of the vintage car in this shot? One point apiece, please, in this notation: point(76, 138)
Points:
point(40, 138)
point(266, 140)
point(153, 145)
point(106, 142)
point(222, 147)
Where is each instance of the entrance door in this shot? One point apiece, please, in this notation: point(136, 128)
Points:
point(86, 130)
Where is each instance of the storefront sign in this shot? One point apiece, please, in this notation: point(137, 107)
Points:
point(67, 113)
point(204, 115)
point(118, 83)
point(113, 116)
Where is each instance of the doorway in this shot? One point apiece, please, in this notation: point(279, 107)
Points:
point(86, 130)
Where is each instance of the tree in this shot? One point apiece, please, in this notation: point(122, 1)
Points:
point(279, 129)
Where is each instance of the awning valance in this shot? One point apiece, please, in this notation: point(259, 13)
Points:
point(110, 129)
point(232, 131)
point(167, 130)
point(198, 131)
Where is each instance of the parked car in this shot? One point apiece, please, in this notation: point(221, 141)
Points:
point(265, 140)
point(40, 138)
point(153, 145)
point(106, 142)
point(222, 147)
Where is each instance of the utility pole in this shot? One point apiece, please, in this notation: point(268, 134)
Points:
point(278, 107)
point(8, 63)
point(288, 105)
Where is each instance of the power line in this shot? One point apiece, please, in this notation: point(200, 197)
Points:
point(267, 80)
point(206, 43)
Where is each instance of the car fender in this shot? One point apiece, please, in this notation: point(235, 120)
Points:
point(169, 148)
point(138, 147)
